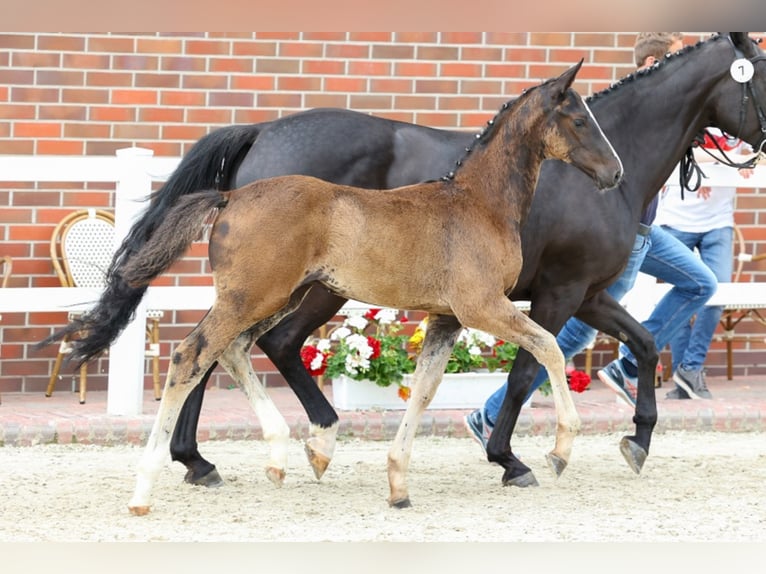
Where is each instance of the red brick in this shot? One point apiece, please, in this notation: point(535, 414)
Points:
point(414, 102)
point(184, 98)
point(85, 61)
point(324, 36)
point(17, 111)
point(113, 114)
point(84, 96)
point(277, 66)
point(29, 95)
point(183, 64)
point(160, 115)
point(88, 199)
point(462, 37)
point(254, 49)
point(232, 99)
point(415, 69)
point(369, 68)
point(394, 85)
point(345, 84)
point(436, 87)
point(17, 42)
point(110, 79)
point(159, 46)
point(158, 81)
point(415, 37)
point(481, 87)
point(203, 82)
point(69, 112)
point(594, 39)
point(136, 131)
point(299, 84)
point(324, 67)
point(134, 97)
point(370, 102)
point(437, 53)
point(255, 83)
point(347, 51)
point(17, 147)
point(468, 53)
point(371, 36)
point(183, 132)
point(461, 70)
point(437, 120)
point(36, 60)
point(392, 52)
point(111, 44)
point(504, 71)
point(86, 130)
point(59, 147)
point(326, 101)
point(211, 47)
point(300, 50)
point(61, 43)
point(277, 35)
point(37, 130)
point(135, 62)
point(236, 65)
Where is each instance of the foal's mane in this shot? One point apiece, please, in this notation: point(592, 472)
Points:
point(487, 133)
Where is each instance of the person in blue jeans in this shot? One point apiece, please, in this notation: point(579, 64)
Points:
point(656, 253)
point(704, 221)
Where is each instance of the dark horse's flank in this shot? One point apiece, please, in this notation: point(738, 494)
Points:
point(275, 238)
point(575, 242)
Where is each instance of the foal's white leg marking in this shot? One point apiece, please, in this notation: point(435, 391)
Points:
point(157, 450)
point(236, 360)
point(426, 379)
point(320, 447)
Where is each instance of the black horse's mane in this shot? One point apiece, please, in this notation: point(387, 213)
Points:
point(639, 74)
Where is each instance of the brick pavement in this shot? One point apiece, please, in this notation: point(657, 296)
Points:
point(31, 418)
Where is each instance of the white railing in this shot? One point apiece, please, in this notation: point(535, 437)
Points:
point(133, 170)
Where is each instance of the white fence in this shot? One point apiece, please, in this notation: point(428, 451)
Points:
point(133, 170)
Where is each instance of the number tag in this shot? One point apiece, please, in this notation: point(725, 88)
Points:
point(742, 70)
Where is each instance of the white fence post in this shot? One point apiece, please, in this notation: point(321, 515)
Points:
point(126, 365)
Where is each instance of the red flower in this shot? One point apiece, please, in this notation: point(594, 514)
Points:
point(578, 381)
point(404, 393)
point(308, 354)
point(372, 313)
point(375, 345)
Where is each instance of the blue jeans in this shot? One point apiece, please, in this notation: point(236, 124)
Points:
point(689, 346)
point(576, 335)
point(693, 284)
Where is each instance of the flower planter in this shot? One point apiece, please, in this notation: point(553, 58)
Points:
point(456, 391)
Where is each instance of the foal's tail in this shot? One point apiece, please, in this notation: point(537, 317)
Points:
point(211, 163)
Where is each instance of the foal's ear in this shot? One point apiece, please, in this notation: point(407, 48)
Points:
point(566, 79)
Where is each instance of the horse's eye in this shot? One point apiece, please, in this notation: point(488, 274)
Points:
point(579, 122)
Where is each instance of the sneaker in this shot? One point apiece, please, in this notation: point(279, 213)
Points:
point(677, 393)
point(693, 382)
point(615, 377)
point(479, 427)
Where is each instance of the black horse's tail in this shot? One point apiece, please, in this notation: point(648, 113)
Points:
point(209, 164)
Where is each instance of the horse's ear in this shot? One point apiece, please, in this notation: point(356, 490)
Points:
point(742, 41)
point(566, 79)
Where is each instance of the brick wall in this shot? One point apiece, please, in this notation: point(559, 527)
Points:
point(91, 94)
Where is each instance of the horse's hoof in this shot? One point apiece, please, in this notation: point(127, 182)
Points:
point(275, 475)
point(317, 460)
point(403, 503)
point(556, 463)
point(633, 454)
point(212, 479)
point(139, 510)
point(522, 480)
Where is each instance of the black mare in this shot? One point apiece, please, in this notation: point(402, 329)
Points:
point(575, 243)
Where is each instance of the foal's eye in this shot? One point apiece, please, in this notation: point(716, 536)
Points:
point(579, 122)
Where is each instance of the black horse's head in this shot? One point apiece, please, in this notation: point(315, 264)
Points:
point(745, 86)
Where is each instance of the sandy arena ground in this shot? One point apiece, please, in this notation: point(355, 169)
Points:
point(694, 487)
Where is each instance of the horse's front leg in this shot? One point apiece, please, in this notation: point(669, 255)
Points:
point(236, 360)
point(608, 316)
point(502, 319)
point(440, 338)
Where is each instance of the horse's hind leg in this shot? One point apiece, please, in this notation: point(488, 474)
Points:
point(440, 338)
point(189, 363)
point(505, 321)
point(236, 360)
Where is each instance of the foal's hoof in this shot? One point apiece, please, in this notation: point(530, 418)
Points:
point(212, 479)
point(275, 475)
point(522, 480)
point(317, 460)
point(556, 463)
point(403, 503)
point(139, 510)
point(633, 454)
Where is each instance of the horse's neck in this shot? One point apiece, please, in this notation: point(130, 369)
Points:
point(502, 174)
point(652, 121)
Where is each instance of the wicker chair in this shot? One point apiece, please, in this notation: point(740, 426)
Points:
point(81, 247)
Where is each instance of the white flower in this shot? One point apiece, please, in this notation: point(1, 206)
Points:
point(340, 333)
point(474, 350)
point(386, 316)
point(357, 322)
point(316, 362)
point(359, 344)
point(323, 345)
